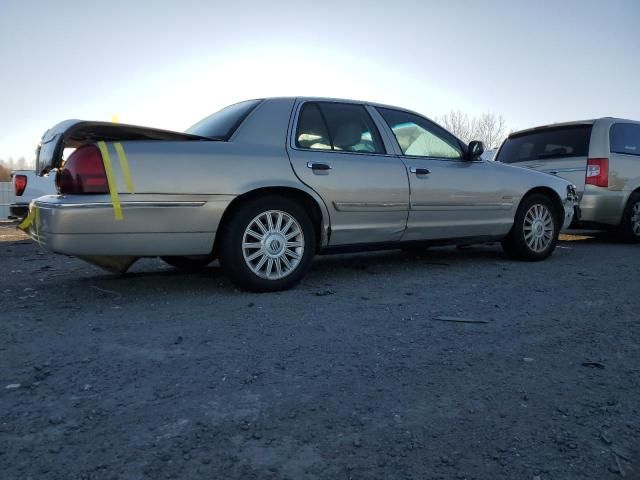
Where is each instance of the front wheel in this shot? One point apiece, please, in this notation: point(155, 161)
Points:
point(268, 245)
point(630, 226)
point(535, 230)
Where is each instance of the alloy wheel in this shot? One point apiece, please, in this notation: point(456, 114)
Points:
point(538, 228)
point(273, 244)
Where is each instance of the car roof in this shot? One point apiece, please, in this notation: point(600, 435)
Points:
point(344, 100)
point(568, 124)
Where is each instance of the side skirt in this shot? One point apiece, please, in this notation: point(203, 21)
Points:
point(370, 247)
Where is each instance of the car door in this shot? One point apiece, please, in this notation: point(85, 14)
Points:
point(336, 149)
point(450, 196)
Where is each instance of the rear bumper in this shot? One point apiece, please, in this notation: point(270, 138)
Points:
point(18, 210)
point(75, 226)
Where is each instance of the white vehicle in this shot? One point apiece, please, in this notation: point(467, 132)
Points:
point(28, 186)
point(601, 157)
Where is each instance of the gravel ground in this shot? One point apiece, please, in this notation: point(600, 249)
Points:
point(354, 374)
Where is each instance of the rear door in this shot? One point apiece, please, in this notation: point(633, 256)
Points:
point(337, 150)
point(560, 150)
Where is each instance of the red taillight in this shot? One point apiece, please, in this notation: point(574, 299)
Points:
point(83, 172)
point(597, 172)
point(20, 183)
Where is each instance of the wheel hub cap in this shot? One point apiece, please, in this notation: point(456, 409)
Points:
point(538, 228)
point(273, 244)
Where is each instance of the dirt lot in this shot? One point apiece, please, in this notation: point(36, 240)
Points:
point(162, 374)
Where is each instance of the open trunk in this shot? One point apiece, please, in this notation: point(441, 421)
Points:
point(73, 133)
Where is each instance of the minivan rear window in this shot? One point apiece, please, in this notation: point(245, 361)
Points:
point(552, 142)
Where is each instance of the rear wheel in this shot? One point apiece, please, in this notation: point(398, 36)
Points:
point(535, 230)
point(630, 226)
point(189, 263)
point(268, 245)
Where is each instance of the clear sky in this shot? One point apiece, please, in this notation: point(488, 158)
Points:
point(169, 63)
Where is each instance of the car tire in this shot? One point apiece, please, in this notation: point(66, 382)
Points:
point(535, 230)
point(268, 244)
point(630, 226)
point(191, 263)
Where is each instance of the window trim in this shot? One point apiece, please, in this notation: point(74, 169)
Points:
point(296, 120)
point(611, 143)
point(461, 144)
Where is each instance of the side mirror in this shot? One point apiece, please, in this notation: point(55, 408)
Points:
point(475, 150)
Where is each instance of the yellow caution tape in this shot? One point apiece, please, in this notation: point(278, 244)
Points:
point(32, 218)
point(27, 221)
point(36, 222)
point(124, 165)
point(111, 180)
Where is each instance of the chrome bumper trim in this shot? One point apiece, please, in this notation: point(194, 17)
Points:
point(123, 204)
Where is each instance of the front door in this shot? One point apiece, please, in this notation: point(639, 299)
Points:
point(450, 196)
point(337, 150)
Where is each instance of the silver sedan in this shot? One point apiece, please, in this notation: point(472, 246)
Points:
point(264, 185)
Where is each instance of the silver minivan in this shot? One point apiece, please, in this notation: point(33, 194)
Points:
point(601, 157)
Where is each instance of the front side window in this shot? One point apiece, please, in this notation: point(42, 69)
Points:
point(420, 138)
point(337, 127)
point(625, 138)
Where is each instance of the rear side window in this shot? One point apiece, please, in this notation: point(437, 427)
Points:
point(559, 142)
point(337, 127)
point(222, 124)
point(625, 138)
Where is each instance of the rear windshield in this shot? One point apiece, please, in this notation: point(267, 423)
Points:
point(559, 142)
point(223, 123)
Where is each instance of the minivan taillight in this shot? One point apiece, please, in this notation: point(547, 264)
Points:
point(19, 184)
point(83, 172)
point(597, 172)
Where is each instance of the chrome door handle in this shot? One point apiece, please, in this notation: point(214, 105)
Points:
point(420, 171)
point(318, 166)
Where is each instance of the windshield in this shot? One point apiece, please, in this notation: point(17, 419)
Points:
point(223, 123)
point(553, 142)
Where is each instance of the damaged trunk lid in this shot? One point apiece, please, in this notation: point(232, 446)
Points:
point(73, 133)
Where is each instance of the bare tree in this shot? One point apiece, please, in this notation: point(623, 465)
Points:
point(458, 123)
point(489, 128)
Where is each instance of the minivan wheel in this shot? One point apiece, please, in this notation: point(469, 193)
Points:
point(268, 244)
point(535, 230)
point(630, 226)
